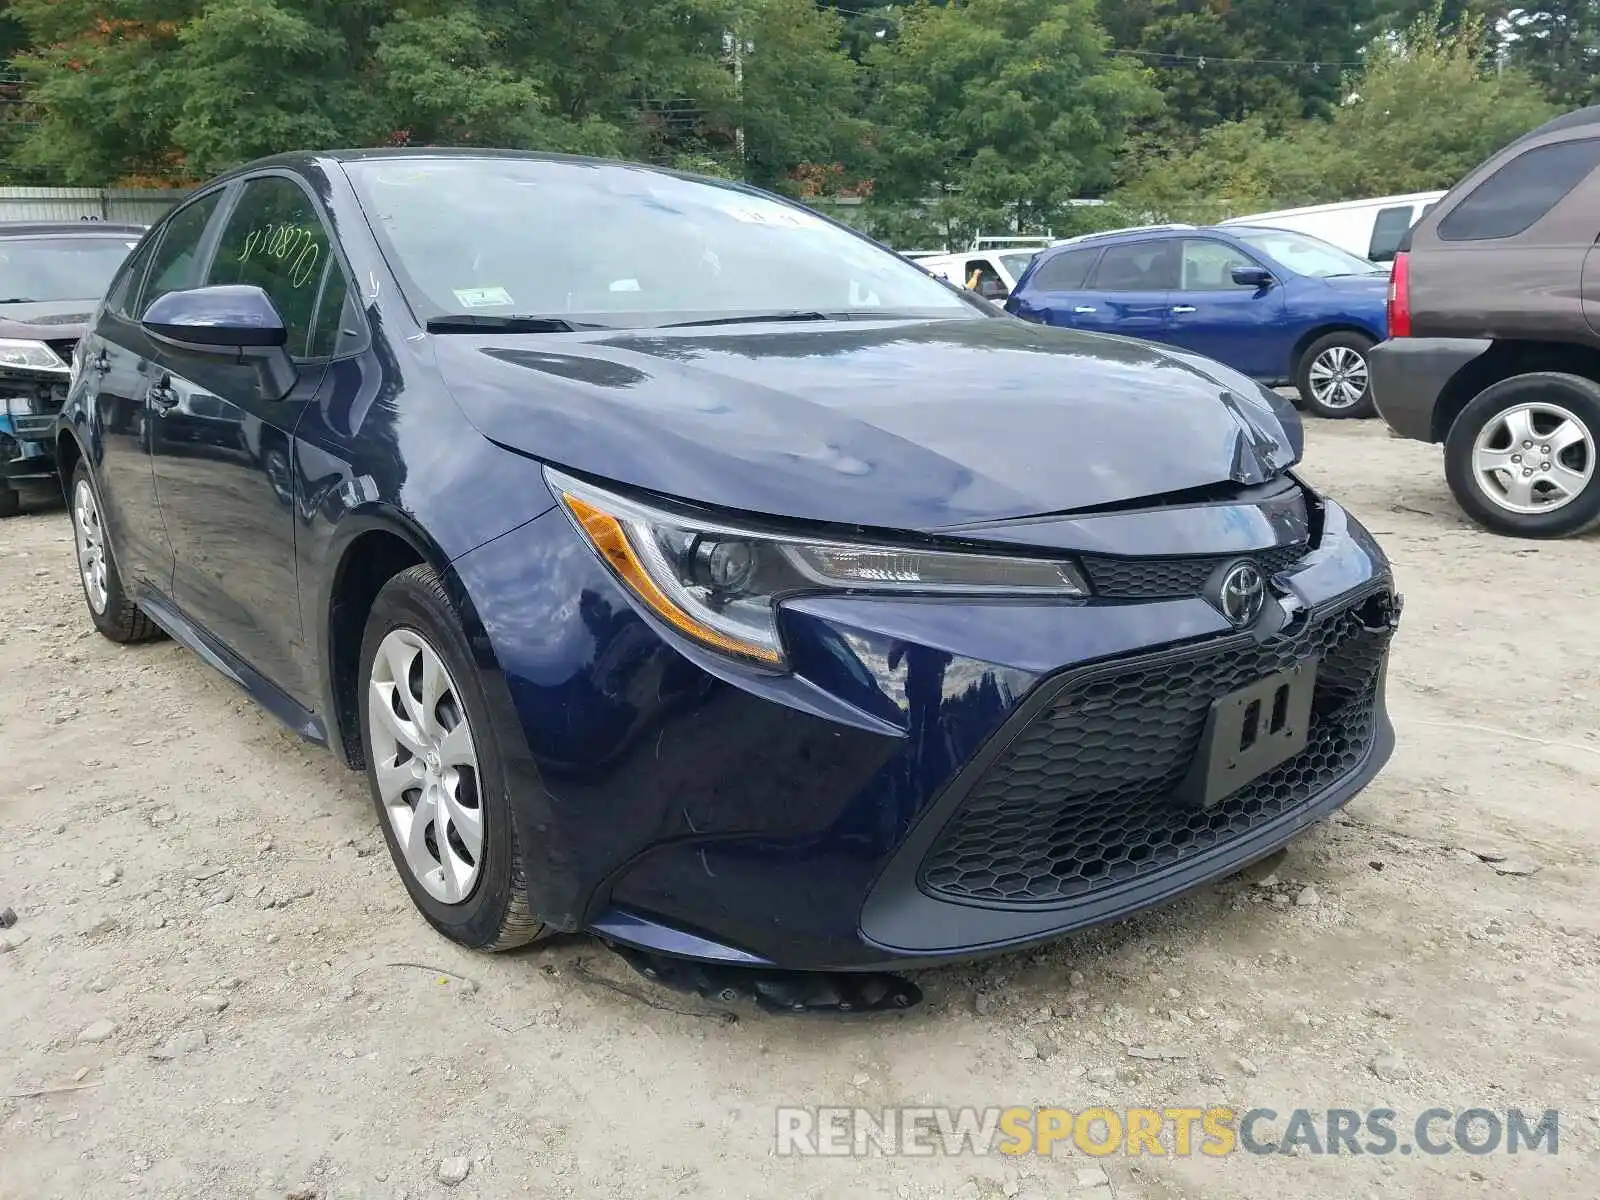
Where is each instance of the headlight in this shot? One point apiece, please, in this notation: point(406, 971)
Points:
point(19, 406)
point(720, 584)
point(32, 356)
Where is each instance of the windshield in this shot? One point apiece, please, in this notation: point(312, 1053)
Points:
point(1016, 264)
point(63, 268)
point(620, 246)
point(1307, 255)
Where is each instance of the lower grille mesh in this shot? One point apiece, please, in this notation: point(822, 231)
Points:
point(1084, 798)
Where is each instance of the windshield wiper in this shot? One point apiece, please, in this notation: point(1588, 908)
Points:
point(800, 314)
point(19, 300)
point(481, 322)
point(751, 319)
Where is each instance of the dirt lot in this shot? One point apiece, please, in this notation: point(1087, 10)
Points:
point(213, 944)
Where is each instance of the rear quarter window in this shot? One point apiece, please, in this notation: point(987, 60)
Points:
point(1387, 230)
point(1066, 272)
point(1522, 191)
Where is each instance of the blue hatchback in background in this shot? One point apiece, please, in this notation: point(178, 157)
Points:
point(1279, 306)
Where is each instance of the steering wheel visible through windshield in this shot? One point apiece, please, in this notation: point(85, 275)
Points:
point(610, 244)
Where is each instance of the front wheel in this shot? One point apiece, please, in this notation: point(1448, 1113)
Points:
point(1520, 458)
point(1332, 376)
point(436, 771)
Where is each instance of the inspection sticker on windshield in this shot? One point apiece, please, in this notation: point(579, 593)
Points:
point(482, 297)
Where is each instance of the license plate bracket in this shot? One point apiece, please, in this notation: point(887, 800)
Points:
point(1250, 731)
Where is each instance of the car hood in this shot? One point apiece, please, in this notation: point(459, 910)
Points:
point(46, 319)
point(916, 425)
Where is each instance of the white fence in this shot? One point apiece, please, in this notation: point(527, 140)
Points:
point(86, 204)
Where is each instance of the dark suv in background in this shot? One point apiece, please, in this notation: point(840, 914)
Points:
point(1494, 333)
point(51, 277)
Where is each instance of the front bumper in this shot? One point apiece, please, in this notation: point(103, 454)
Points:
point(848, 815)
point(27, 454)
point(1407, 376)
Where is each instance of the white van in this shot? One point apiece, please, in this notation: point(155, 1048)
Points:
point(1371, 229)
point(997, 270)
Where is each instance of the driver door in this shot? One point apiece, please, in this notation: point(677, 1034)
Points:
point(224, 455)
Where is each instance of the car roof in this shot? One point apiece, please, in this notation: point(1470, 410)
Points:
point(304, 160)
point(1578, 118)
point(58, 228)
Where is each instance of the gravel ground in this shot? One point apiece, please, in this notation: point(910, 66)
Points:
point(214, 954)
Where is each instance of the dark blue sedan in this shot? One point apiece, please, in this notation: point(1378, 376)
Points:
point(1279, 306)
point(683, 567)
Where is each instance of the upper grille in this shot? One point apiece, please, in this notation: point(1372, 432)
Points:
point(1085, 798)
point(1148, 578)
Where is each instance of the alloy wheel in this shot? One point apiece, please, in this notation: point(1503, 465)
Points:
point(1533, 458)
point(90, 537)
point(1338, 377)
point(426, 765)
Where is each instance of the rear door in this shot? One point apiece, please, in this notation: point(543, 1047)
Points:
point(1236, 324)
point(1056, 292)
point(1130, 291)
point(115, 363)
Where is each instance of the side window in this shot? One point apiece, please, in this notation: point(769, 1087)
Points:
point(175, 264)
point(124, 287)
point(1066, 272)
point(1138, 267)
point(984, 279)
point(336, 325)
point(1208, 266)
point(275, 240)
point(1520, 192)
point(1387, 230)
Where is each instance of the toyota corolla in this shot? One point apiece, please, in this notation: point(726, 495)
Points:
point(683, 567)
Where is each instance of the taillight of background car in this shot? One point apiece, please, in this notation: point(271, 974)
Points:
point(1400, 296)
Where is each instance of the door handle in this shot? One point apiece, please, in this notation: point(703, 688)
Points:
point(162, 397)
point(1084, 308)
point(1183, 308)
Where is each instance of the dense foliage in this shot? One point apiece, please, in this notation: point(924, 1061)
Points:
point(946, 116)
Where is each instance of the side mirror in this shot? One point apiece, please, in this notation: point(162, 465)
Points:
point(993, 290)
point(235, 320)
point(1255, 277)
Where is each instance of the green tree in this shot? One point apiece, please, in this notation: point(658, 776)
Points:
point(1558, 43)
point(1226, 60)
point(1421, 114)
point(1004, 107)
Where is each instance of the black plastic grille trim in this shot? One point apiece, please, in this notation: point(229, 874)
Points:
point(1150, 578)
point(1083, 799)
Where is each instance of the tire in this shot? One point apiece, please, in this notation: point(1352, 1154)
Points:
point(10, 502)
point(1563, 496)
point(411, 618)
point(114, 614)
point(1332, 353)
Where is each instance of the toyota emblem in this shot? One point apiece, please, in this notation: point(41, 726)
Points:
point(1242, 594)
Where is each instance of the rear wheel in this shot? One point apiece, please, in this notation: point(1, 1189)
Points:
point(436, 771)
point(1332, 375)
point(10, 502)
point(1520, 458)
point(114, 614)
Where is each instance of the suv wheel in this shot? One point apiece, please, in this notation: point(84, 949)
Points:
point(10, 502)
point(1521, 456)
point(436, 771)
point(114, 614)
point(1332, 375)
